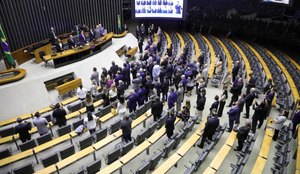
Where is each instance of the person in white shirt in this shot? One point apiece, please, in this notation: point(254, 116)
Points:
point(90, 122)
point(122, 108)
point(155, 70)
point(41, 123)
point(81, 92)
point(278, 123)
point(113, 93)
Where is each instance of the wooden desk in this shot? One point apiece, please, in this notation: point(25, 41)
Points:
point(13, 120)
point(212, 57)
point(132, 52)
point(228, 56)
point(123, 34)
point(168, 164)
point(111, 168)
point(77, 54)
point(18, 74)
point(209, 170)
point(70, 100)
point(219, 158)
point(196, 45)
point(244, 57)
point(69, 86)
point(231, 138)
point(259, 165)
point(135, 152)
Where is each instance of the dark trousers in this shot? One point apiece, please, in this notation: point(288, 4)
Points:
point(126, 137)
point(169, 133)
point(254, 124)
point(205, 136)
point(240, 145)
point(92, 131)
point(231, 122)
point(248, 109)
point(61, 124)
point(165, 96)
point(132, 109)
point(24, 139)
point(234, 98)
point(156, 117)
point(275, 136)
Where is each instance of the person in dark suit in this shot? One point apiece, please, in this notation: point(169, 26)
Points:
point(296, 119)
point(23, 129)
point(210, 128)
point(71, 42)
point(132, 101)
point(156, 109)
point(59, 46)
point(59, 114)
point(236, 90)
point(251, 83)
point(140, 44)
point(242, 135)
point(215, 104)
point(259, 115)
point(235, 70)
point(82, 38)
point(53, 37)
point(233, 115)
point(170, 125)
point(126, 128)
point(91, 35)
point(249, 100)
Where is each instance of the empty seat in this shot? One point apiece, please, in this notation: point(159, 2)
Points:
point(28, 145)
point(143, 169)
point(26, 169)
point(100, 134)
point(48, 117)
point(151, 129)
point(139, 111)
point(126, 148)
point(44, 138)
point(190, 170)
point(7, 132)
point(162, 120)
point(86, 142)
point(81, 172)
point(49, 160)
point(104, 111)
point(74, 107)
point(64, 130)
point(5, 153)
point(154, 160)
point(200, 159)
point(77, 123)
point(148, 105)
point(141, 137)
point(112, 156)
point(178, 138)
point(168, 148)
point(68, 151)
point(115, 126)
point(94, 167)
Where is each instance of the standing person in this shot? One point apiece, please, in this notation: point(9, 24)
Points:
point(156, 109)
point(198, 79)
point(233, 115)
point(201, 99)
point(23, 129)
point(121, 108)
point(189, 86)
point(278, 122)
point(81, 92)
point(222, 103)
point(180, 96)
point(90, 122)
point(172, 98)
point(113, 93)
point(170, 124)
point(141, 95)
point(40, 123)
point(242, 134)
point(94, 89)
point(105, 97)
point(53, 37)
point(227, 81)
point(235, 70)
point(126, 128)
point(259, 115)
point(215, 104)
point(165, 89)
point(269, 96)
point(268, 86)
point(249, 100)
point(186, 112)
point(205, 73)
point(250, 84)
point(59, 114)
point(140, 44)
point(137, 82)
point(236, 91)
point(210, 128)
point(121, 89)
point(95, 75)
point(132, 101)
point(296, 119)
point(89, 102)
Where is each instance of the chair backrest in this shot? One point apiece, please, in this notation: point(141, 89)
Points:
point(64, 130)
point(81, 172)
point(48, 117)
point(143, 169)
point(178, 138)
point(152, 129)
point(127, 147)
point(7, 132)
point(94, 167)
point(66, 152)
point(168, 148)
point(100, 134)
point(154, 160)
point(104, 111)
point(5, 153)
point(141, 137)
point(28, 145)
point(74, 107)
point(139, 111)
point(148, 105)
point(86, 142)
point(190, 170)
point(115, 126)
point(49, 160)
point(26, 169)
point(44, 138)
point(132, 115)
point(113, 156)
point(77, 123)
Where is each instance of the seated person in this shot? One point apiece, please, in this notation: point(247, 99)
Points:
point(91, 35)
point(82, 38)
point(71, 42)
point(59, 46)
point(101, 30)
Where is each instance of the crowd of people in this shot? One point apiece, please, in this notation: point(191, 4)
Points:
point(167, 78)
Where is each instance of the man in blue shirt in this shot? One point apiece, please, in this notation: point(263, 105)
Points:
point(178, 8)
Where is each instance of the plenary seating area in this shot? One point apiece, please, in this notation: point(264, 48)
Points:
point(212, 57)
point(227, 54)
point(175, 43)
point(196, 46)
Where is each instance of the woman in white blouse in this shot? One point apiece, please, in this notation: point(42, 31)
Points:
point(90, 122)
point(122, 108)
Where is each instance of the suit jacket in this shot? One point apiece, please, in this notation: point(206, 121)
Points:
point(250, 97)
point(82, 38)
point(211, 126)
point(23, 130)
point(92, 36)
point(243, 133)
point(214, 105)
point(71, 43)
point(170, 123)
point(52, 38)
point(59, 115)
point(157, 108)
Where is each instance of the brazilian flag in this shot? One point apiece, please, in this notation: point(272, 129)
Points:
point(5, 48)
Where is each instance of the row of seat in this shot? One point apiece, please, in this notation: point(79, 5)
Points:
point(227, 53)
point(298, 153)
point(187, 40)
point(175, 44)
point(181, 41)
point(196, 46)
point(212, 57)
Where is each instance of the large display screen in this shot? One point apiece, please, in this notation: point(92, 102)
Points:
point(287, 2)
point(159, 8)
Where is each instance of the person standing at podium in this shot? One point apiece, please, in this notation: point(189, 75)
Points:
point(53, 37)
point(59, 46)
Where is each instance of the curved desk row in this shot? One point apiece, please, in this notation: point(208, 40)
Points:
point(80, 53)
point(11, 75)
point(121, 34)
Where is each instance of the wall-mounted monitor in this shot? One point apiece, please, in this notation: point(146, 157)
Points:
point(175, 9)
point(286, 2)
